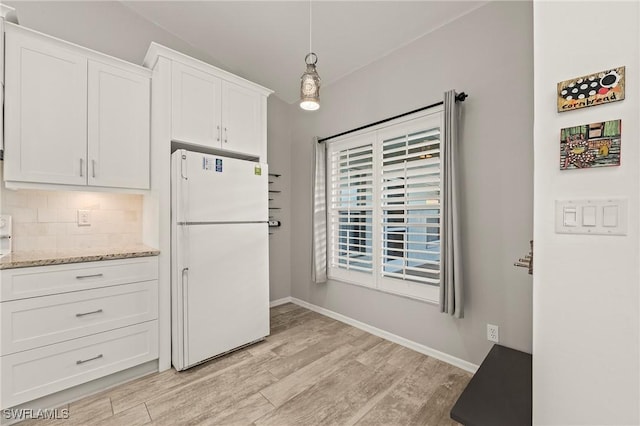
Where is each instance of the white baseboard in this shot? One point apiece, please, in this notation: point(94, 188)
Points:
point(426, 350)
point(279, 302)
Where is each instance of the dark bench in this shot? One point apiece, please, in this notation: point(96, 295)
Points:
point(499, 393)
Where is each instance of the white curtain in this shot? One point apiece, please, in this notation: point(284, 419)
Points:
point(451, 290)
point(319, 244)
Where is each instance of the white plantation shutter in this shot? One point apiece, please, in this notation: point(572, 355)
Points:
point(384, 190)
point(410, 200)
point(351, 204)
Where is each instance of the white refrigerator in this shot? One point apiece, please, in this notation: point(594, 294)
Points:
point(219, 255)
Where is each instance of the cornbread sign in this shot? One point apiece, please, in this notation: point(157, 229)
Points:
point(590, 145)
point(590, 90)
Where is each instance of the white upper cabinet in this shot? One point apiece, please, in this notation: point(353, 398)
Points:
point(241, 119)
point(45, 111)
point(195, 107)
point(213, 109)
point(118, 127)
point(73, 116)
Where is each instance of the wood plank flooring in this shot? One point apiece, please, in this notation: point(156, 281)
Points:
point(311, 370)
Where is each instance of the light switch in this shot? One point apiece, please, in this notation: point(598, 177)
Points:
point(84, 218)
point(610, 216)
point(589, 216)
point(592, 216)
point(570, 216)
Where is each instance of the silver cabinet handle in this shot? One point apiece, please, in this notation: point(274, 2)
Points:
point(82, 361)
point(81, 166)
point(226, 135)
point(93, 168)
point(89, 313)
point(185, 309)
point(79, 277)
point(184, 272)
point(185, 282)
point(183, 167)
point(218, 134)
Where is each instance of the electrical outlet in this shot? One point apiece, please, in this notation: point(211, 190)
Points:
point(84, 218)
point(493, 333)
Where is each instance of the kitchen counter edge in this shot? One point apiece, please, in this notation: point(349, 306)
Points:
point(26, 260)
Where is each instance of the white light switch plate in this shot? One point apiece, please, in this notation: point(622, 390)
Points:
point(5, 234)
point(84, 217)
point(607, 216)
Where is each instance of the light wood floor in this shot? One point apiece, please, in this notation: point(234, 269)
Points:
point(311, 370)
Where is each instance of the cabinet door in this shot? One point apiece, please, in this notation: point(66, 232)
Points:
point(118, 127)
point(45, 111)
point(195, 108)
point(241, 119)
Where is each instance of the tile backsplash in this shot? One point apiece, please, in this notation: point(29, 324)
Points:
point(48, 220)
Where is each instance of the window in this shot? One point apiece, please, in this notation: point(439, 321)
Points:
point(384, 207)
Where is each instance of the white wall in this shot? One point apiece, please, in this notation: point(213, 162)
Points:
point(279, 157)
point(106, 26)
point(586, 332)
point(488, 53)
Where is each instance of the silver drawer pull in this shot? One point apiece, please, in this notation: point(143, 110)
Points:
point(82, 361)
point(89, 313)
point(79, 277)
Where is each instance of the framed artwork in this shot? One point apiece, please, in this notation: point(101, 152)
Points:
point(590, 90)
point(590, 145)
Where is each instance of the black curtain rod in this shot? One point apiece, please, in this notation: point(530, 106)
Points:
point(460, 97)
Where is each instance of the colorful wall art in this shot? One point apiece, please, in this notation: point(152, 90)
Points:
point(590, 145)
point(589, 90)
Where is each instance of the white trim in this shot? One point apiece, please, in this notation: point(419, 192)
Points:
point(278, 302)
point(373, 138)
point(91, 54)
point(14, 184)
point(8, 13)
point(418, 347)
point(157, 50)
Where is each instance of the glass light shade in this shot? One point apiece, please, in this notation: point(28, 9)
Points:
point(309, 105)
point(310, 86)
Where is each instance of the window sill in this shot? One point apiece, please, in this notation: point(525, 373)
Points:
point(384, 290)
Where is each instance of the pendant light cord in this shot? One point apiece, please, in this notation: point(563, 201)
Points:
point(310, 24)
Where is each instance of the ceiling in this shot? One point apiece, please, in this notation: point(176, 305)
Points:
point(266, 41)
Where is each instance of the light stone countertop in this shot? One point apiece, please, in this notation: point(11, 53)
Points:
point(26, 259)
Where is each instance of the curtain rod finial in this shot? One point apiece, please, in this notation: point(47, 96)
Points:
point(460, 97)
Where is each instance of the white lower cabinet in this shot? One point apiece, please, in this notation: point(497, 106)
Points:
point(86, 321)
point(22, 283)
point(74, 315)
point(39, 372)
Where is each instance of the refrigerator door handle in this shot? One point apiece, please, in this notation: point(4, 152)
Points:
point(185, 319)
point(183, 166)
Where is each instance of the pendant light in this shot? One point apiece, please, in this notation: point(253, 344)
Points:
point(310, 80)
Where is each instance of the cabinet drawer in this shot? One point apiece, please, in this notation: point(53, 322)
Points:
point(21, 283)
point(32, 374)
point(31, 323)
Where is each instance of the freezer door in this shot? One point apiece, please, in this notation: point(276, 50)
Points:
point(225, 287)
point(210, 188)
